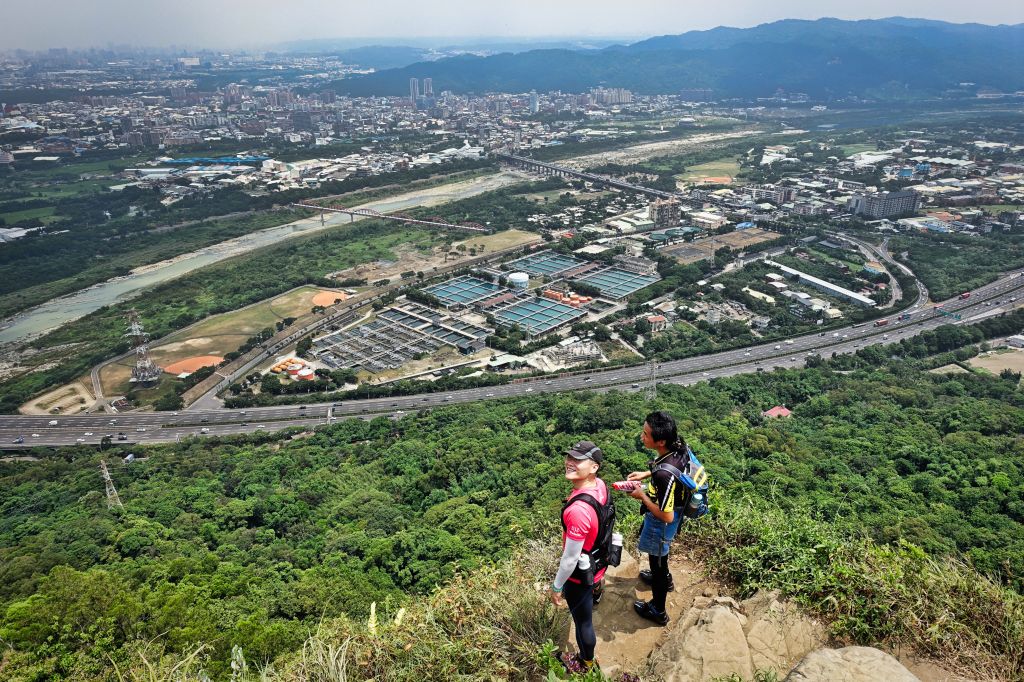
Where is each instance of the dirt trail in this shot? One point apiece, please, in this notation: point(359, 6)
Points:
point(625, 641)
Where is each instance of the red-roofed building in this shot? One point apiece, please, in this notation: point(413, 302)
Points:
point(776, 412)
point(658, 323)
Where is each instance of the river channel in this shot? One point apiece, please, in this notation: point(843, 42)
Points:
point(56, 312)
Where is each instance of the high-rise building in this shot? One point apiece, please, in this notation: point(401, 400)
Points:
point(534, 102)
point(414, 89)
point(428, 87)
point(883, 204)
point(665, 213)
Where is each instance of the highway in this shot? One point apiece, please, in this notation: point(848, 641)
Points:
point(162, 427)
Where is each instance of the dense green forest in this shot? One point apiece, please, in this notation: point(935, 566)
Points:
point(949, 264)
point(251, 541)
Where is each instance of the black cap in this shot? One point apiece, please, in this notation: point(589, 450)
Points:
point(586, 450)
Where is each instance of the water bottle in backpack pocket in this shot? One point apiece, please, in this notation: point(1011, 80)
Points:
point(695, 481)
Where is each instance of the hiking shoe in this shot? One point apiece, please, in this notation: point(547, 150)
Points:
point(646, 579)
point(598, 592)
point(645, 609)
point(572, 663)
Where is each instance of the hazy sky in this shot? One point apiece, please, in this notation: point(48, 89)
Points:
point(233, 23)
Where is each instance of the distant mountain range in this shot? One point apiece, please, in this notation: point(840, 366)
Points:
point(394, 55)
point(886, 58)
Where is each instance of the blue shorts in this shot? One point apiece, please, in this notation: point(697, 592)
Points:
point(656, 535)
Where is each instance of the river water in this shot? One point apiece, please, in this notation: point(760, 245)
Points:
point(52, 314)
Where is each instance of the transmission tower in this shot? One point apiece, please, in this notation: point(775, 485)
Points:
point(145, 370)
point(112, 498)
point(651, 386)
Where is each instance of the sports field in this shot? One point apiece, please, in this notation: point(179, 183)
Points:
point(217, 336)
point(717, 172)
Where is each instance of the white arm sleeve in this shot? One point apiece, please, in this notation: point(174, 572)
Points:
point(567, 564)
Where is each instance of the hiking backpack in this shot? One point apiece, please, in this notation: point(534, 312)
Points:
point(601, 555)
point(694, 481)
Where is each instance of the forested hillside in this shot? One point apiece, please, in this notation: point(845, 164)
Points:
point(885, 58)
point(252, 541)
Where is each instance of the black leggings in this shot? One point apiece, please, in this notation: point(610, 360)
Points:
point(580, 600)
point(659, 581)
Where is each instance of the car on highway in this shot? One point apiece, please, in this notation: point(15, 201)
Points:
point(705, 374)
point(747, 353)
point(792, 359)
point(52, 422)
point(261, 426)
point(141, 429)
point(425, 399)
point(490, 395)
point(302, 407)
point(35, 435)
point(588, 379)
point(79, 440)
point(88, 433)
point(19, 439)
point(447, 397)
point(547, 383)
point(636, 385)
point(122, 436)
point(394, 404)
point(529, 390)
point(778, 347)
point(835, 335)
point(204, 430)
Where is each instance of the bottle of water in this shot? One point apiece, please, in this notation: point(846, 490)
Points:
point(615, 553)
point(695, 504)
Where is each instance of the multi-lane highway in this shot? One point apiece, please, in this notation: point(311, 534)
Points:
point(154, 427)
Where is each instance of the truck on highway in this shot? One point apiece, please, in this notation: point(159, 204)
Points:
point(904, 316)
point(881, 323)
point(965, 295)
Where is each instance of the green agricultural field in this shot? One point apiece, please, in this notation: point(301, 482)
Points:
point(851, 149)
point(1000, 208)
point(13, 217)
point(721, 171)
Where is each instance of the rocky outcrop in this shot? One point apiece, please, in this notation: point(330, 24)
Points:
point(850, 664)
point(718, 637)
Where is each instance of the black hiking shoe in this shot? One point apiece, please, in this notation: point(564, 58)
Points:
point(645, 609)
point(598, 592)
point(645, 578)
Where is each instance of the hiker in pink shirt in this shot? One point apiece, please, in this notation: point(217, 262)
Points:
point(576, 580)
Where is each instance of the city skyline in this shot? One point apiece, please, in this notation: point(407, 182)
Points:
point(260, 24)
